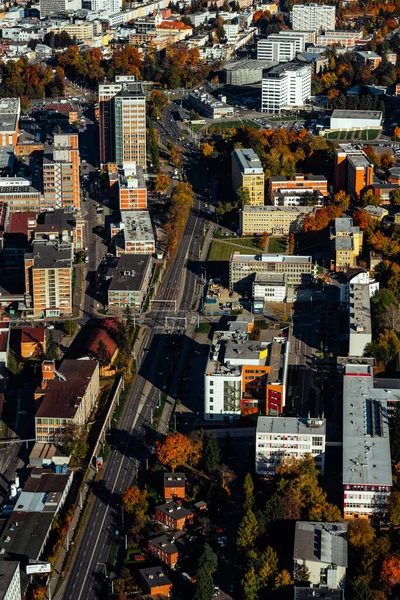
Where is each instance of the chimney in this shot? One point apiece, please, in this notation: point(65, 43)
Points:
point(48, 369)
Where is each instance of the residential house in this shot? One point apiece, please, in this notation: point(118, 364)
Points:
point(174, 515)
point(174, 485)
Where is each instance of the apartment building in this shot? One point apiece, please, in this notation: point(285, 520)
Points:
point(285, 86)
point(19, 195)
point(248, 173)
point(353, 170)
point(61, 183)
point(243, 376)
point(346, 39)
point(360, 323)
point(303, 197)
point(347, 242)
point(280, 48)
point(10, 582)
point(243, 267)
point(278, 438)
point(48, 278)
point(81, 30)
point(132, 190)
point(122, 121)
point(267, 288)
point(52, 7)
point(272, 219)
point(129, 281)
point(10, 110)
point(313, 17)
point(367, 469)
point(134, 233)
point(367, 57)
point(65, 398)
point(300, 183)
point(208, 106)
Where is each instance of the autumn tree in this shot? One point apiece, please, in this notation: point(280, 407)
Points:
point(368, 198)
point(174, 450)
point(359, 533)
point(162, 183)
point(243, 196)
point(264, 241)
point(196, 439)
point(225, 477)
point(386, 348)
point(206, 149)
point(395, 195)
point(135, 502)
point(387, 160)
point(268, 565)
point(248, 493)
point(176, 154)
point(362, 219)
point(390, 572)
point(394, 508)
point(182, 199)
point(248, 531)
point(75, 441)
point(342, 199)
point(396, 133)
point(301, 572)
point(283, 579)
point(250, 585)
point(158, 101)
point(70, 327)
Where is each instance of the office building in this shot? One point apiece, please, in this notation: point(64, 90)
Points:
point(132, 189)
point(10, 583)
point(243, 376)
point(360, 323)
point(122, 125)
point(129, 281)
point(353, 170)
point(309, 36)
point(19, 195)
point(243, 267)
point(267, 288)
point(134, 233)
point(248, 173)
point(346, 39)
point(285, 86)
point(322, 549)
point(347, 240)
point(356, 119)
point(65, 398)
point(360, 278)
point(208, 106)
point(272, 219)
point(48, 278)
point(280, 438)
point(82, 31)
point(367, 57)
point(300, 183)
point(367, 468)
point(10, 110)
point(301, 197)
point(245, 71)
point(61, 183)
point(280, 48)
point(313, 17)
point(55, 7)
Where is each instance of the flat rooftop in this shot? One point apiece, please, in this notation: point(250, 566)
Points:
point(279, 209)
point(356, 114)
point(270, 278)
point(129, 273)
point(360, 309)
point(359, 160)
point(366, 445)
point(344, 243)
point(247, 161)
point(284, 68)
point(271, 258)
point(136, 225)
point(131, 88)
point(249, 65)
point(321, 542)
point(291, 425)
point(50, 255)
point(345, 225)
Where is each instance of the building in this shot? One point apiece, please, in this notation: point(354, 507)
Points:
point(33, 341)
point(134, 233)
point(347, 242)
point(353, 170)
point(391, 57)
point(19, 195)
point(355, 119)
point(66, 398)
point(61, 182)
point(346, 39)
point(105, 332)
point(174, 515)
point(10, 583)
point(299, 184)
point(122, 126)
point(376, 212)
point(81, 30)
point(244, 72)
point(243, 376)
point(208, 106)
point(285, 86)
point(280, 438)
point(313, 17)
point(129, 281)
point(27, 144)
point(273, 219)
point(174, 485)
point(48, 278)
point(156, 582)
point(242, 268)
point(360, 324)
point(132, 191)
point(248, 173)
point(267, 288)
point(367, 57)
point(10, 110)
point(280, 48)
point(359, 277)
point(302, 197)
point(164, 547)
point(322, 549)
point(321, 593)
point(54, 7)
point(367, 468)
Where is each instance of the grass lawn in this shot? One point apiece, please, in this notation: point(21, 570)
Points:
point(277, 245)
point(353, 135)
point(370, 134)
point(222, 248)
point(237, 124)
point(203, 328)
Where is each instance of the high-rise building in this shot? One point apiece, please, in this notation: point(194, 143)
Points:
point(10, 109)
point(313, 17)
point(122, 107)
point(353, 170)
point(48, 278)
point(10, 583)
point(132, 189)
point(54, 7)
point(280, 48)
point(284, 86)
point(61, 185)
point(248, 173)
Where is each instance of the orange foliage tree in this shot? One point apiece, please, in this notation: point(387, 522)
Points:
point(390, 573)
point(162, 183)
point(134, 501)
point(206, 149)
point(174, 450)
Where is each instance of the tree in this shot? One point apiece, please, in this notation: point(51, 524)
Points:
point(152, 145)
point(208, 559)
point(391, 317)
point(174, 450)
point(396, 133)
point(212, 458)
point(394, 508)
point(52, 351)
point(361, 590)
point(206, 149)
point(196, 439)
point(283, 579)
point(386, 348)
point(268, 565)
point(395, 194)
point(264, 241)
point(135, 502)
point(75, 441)
point(162, 183)
point(225, 477)
point(368, 198)
point(360, 533)
point(247, 531)
point(342, 199)
point(301, 572)
point(250, 585)
point(274, 509)
point(248, 493)
point(204, 585)
point(387, 160)
point(390, 572)
point(243, 196)
point(70, 327)
point(102, 354)
point(381, 300)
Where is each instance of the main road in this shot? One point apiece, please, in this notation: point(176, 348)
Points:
point(181, 283)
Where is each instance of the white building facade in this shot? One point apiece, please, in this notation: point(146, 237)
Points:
point(287, 85)
point(313, 17)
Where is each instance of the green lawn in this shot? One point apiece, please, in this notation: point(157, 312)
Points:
point(236, 124)
point(353, 135)
point(277, 245)
point(370, 134)
point(221, 249)
point(203, 328)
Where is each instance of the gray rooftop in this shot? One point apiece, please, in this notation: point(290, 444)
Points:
point(360, 309)
point(248, 65)
point(284, 68)
point(280, 209)
point(366, 445)
point(344, 243)
point(345, 225)
point(174, 479)
point(50, 255)
point(339, 113)
point(174, 510)
point(270, 278)
point(7, 572)
point(129, 273)
point(167, 543)
point(137, 225)
point(321, 542)
point(271, 258)
point(154, 576)
point(131, 88)
point(247, 161)
point(291, 425)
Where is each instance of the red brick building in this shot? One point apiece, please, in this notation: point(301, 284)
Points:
point(174, 485)
point(174, 516)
